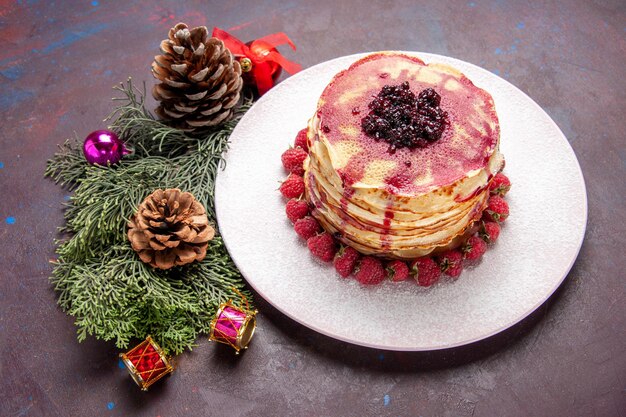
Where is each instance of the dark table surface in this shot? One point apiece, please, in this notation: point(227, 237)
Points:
point(58, 62)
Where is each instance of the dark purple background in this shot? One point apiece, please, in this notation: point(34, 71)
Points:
point(58, 61)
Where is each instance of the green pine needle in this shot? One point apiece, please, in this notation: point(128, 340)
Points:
point(99, 278)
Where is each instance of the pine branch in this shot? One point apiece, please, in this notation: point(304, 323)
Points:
point(68, 164)
point(139, 128)
point(100, 280)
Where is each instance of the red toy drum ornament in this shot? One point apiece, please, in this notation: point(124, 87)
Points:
point(233, 325)
point(146, 363)
point(261, 63)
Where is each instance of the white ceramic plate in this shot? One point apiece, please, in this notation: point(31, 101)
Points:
point(536, 249)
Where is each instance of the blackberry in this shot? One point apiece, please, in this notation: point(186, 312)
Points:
point(430, 96)
point(404, 120)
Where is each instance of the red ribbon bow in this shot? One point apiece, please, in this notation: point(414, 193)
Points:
point(260, 51)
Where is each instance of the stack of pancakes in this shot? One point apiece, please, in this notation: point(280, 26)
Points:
point(405, 203)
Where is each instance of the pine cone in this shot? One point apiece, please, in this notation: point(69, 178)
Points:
point(200, 80)
point(170, 228)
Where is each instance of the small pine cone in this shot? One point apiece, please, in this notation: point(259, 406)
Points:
point(200, 81)
point(170, 228)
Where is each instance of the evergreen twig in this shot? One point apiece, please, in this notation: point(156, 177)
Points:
point(99, 278)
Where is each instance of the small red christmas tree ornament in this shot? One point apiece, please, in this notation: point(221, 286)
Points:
point(260, 62)
point(234, 325)
point(146, 363)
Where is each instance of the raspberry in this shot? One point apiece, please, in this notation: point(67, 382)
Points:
point(292, 160)
point(397, 270)
point(489, 231)
point(346, 260)
point(296, 209)
point(301, 140)
point(371, 271)
point(426, 271)
point(323, 246)
point(451, 263)
point(474, 248)
point(500, 184)
point(306, 227)
point(299, 170)
point(497, 209)
point(292, 187)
